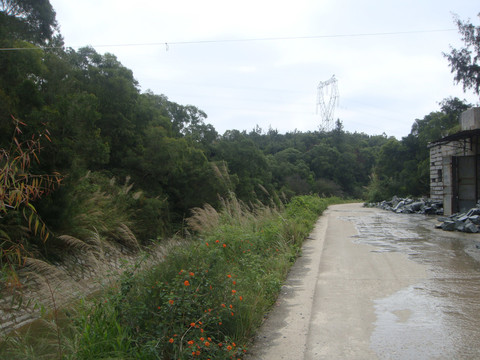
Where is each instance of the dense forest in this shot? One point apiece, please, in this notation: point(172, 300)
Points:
point(83, 150)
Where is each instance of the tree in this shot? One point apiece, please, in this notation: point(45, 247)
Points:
point(116, 90)
point(31, 20)
point(246, 162)
point(465, 62)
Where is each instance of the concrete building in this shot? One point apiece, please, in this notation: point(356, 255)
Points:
point(455, 165)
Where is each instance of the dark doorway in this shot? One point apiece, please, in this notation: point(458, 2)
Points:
point(466, 170)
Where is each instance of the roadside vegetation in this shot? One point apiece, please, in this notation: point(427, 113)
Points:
point(204, 301)
point(88, 160)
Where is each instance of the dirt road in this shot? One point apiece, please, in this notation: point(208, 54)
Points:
point(370, 294)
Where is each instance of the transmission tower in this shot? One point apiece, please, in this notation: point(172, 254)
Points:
point(327, 100)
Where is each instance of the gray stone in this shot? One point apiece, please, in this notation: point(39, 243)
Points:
point(448, 225)
point(475, 219)
point(470, 227)
point(474, 211)
point(460, 226)
point(416, 206)
point(399, 205)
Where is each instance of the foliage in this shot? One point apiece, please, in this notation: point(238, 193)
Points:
point(409, 174)
point(101, 123)
point(204, 301)
point(465, 62)
point(19, 188)
point(96, 204)
point(31, 19)
point(246, 163)
point(152, 165)
point(97, 332)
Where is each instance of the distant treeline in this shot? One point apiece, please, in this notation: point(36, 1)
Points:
point(136, 158)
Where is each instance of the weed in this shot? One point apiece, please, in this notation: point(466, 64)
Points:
point(208, 296)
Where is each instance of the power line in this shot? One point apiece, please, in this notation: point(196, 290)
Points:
point(287, 38)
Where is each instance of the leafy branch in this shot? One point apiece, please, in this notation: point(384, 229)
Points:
point(19, 187)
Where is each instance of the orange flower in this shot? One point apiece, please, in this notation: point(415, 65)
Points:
point(186, 283)
point(190, 342)
point(234, 282)
point(171, 341)
point(229, 276)
point(207, 344)
point(220, 344)
point(231, 306)
point(232, 314)
point(202, 338)
point(224, 245)
point(234, 291)
point(240, 298)
point(171, 302)
point(159, 307)
point(229, 348)
point(223, 305)
point(207, 244)
point(192, 274)
point(217, 241)
point(197, 353)
point(234, 344)
point(192, 324)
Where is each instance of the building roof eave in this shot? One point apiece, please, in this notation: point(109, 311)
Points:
point(457, 136)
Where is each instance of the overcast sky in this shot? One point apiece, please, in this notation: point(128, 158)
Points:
point(259, 62)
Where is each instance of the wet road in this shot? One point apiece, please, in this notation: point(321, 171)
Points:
point(372, 284)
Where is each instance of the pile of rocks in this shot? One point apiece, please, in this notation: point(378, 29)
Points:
point(411, 206)
point(466, 222)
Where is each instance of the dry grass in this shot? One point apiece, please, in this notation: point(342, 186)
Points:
point(41, 268)
point(233, 212)
point(125, 236)
point(221, 172)
point(203, 219)
point(75, 243)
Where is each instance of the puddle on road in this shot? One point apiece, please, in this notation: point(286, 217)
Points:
point(438, 318)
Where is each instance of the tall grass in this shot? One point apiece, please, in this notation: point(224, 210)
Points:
point(208, 296)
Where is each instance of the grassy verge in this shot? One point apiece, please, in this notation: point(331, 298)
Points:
point(208, 296)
